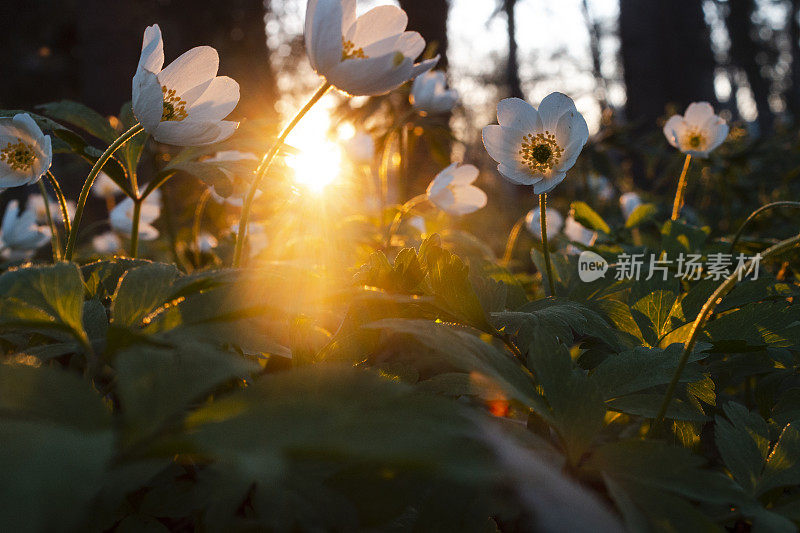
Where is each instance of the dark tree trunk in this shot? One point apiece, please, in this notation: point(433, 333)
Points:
point(745, 49)
point(666, 57)
point(512, 66)
point(429, 18)
point(601, 86)
point(793, 95)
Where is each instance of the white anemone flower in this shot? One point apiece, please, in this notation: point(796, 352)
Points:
point(185, 103)
point(601, 187)
point(533, 221)
point(536, 147)
point(362, 56)
point(20, 236)
point(698, 131)
point(235, 199)
point(105, 187)
point(25, 152)
point(206, 242)
point(121, 218)
point(577, 232)
point(360, 148)
point(430, 94)
point(36, 203)
point(628, 203)
point(107, 243)
point(452, 190)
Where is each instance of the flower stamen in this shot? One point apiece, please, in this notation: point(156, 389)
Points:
point(174, 106)
point(349, 51)
point(19, 156)
point(540, 152)
point(694, 139)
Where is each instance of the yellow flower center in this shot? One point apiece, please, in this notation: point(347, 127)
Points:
point(540, 152)
point(19, 156)
point(349, 51)
point(174, 106)
point(694, 139)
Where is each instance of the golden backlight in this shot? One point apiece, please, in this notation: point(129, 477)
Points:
point(318, 162)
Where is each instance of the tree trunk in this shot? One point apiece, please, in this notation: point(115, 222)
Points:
point(429, 18)
point(666, 57)
point(601, 86)
point(744, 50)
point(512, 66)
point(793, 95)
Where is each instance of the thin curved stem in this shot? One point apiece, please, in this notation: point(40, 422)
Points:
point(545, 244)
point(54, 240)
point(196, 223)
point(398, 218)
point(754, 214)
point(62, 201)
point(678, 204)
point(137, 211)
point(513, 236)
point(706, 312)
point(98, 166)
point(156, 183)
point(265, 164)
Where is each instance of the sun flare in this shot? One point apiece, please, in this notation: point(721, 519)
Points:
point(318, 161)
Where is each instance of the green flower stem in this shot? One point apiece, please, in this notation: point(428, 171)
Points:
point(678, 204)
point(84, 195)
point(705, 315)
point(198, 220)
point(54, 240)
point(137, 210)
point(545, 244)
point(754, 214)
point(160, 180)
point(407, 208)
point(263, 167)
point(512, 240)
point(62, 201)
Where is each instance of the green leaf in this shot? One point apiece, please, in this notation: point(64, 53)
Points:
point(576, 402)
point(743, 442)
point(652, 313)
point(140, 291)
point(783, 464)
point(642, 368)
point(158, 385)
point(641, 214)
point(83, 117)
point(211, 173)
point(56, 440)
point(43, 297)
point(588, 217)
point(485, 364)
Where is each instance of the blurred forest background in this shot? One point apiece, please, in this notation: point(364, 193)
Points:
point(627, 63)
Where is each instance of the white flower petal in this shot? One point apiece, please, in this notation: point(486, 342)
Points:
point(218, 100)
point(370, 77)
point(673, 130)
point(324, 34)
point(194, 67)
point(148, 99)
point(549, 183)
point(698, 113)
point(553, 107)
point(188, 132)
point(411, 44)
point(377, 24)
point(517, 114)
point(152, 56)
point(720, 134)
point(468, 199)
point(503, 145)
point(465, 174)
point(518, 176)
